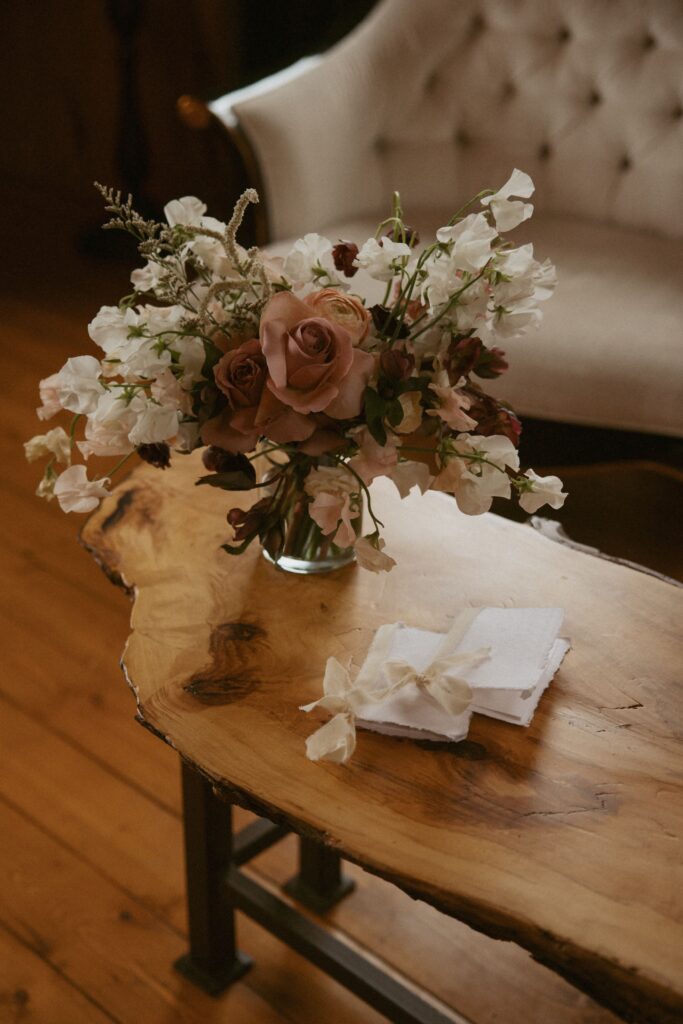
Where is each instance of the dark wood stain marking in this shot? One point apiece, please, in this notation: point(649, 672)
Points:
point(231, 676)
point(122, 505)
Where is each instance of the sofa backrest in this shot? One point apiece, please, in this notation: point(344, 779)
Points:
point(440, 98)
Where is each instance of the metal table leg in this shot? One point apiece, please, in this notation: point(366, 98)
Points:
point(319, 883)
point(213, 961)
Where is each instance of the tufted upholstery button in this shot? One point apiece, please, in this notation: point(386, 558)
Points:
point(431, 82)
point(594, 98)
point(381, 145)
point(677, 112)
point(478, 24)
point(509, 90)
point(463, 137)
point(649, 42)
point(564, 35)
point(543, 151)
point(625, 164)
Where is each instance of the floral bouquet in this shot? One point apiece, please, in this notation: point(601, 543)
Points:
point(275, 363)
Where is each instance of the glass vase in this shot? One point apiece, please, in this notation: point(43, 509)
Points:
point(300, 546)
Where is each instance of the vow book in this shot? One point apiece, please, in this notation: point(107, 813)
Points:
point(525, 650)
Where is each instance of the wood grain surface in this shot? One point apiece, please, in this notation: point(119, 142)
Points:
point(564, 837)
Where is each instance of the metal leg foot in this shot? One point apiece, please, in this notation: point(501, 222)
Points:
point(213, 961)
point(320, 882)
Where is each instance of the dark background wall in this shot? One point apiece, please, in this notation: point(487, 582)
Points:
point(89, 91)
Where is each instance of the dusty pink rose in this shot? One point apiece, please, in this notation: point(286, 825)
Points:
point(312, 363)
point(347, 310)
point(251, 410)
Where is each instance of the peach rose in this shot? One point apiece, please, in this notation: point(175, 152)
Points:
point(347, 310)
point(312, 363)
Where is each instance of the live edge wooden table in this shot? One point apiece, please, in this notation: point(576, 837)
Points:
point(564, 837)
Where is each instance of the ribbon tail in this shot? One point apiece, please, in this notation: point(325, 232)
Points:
point(334, 741)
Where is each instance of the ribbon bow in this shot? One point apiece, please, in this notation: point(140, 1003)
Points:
point(441, 681)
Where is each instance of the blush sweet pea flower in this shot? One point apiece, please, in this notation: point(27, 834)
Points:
point(75, 493)
point(452, 406)
point(370, 554)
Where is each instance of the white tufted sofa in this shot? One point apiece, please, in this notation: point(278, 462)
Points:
point(440, 98)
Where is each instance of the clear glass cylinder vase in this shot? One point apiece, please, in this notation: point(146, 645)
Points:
point(299, 545)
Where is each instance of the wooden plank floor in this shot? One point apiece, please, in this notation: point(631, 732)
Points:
point(91, 897)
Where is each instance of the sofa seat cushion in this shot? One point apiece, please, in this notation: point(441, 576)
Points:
point(609, 351)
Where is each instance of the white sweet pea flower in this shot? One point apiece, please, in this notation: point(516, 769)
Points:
point(382, 259)
point(507, 324)
point(310, 261)
point(55, 442)
point(526, 278)
point(471, 240)
point(107, 428)
point(147, 278)
point(104, 439)
point(187, 211)
point(166, 390)
point(158, 320)
point(191, 356)
point(114, 407)
point(79, 385)
point(474, 482)
point(509, 213)
point(541, 490)
point(370, 554)
point(155, 424)
point(111, 329)
point(145, 359)
point(75, 493)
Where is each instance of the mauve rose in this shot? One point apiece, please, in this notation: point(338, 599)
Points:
point(312, 363)
point(252, 410)
point(347, 310)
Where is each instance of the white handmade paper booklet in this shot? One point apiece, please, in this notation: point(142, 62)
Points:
point(525, 652)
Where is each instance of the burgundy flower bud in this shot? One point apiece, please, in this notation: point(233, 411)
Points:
point(385, 323)
point(396, 364)
point(491, 363)
point(343, 254)
point(408, 235)
point(158, 455)
point(470, 355)
point(246, 522)
point(492, 416)
point(217, 460)
point(463, 356)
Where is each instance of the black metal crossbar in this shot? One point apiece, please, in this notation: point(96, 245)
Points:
point(216, 889)
point(357, 972)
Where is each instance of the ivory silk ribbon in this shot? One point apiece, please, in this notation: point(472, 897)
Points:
point(441, 681)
